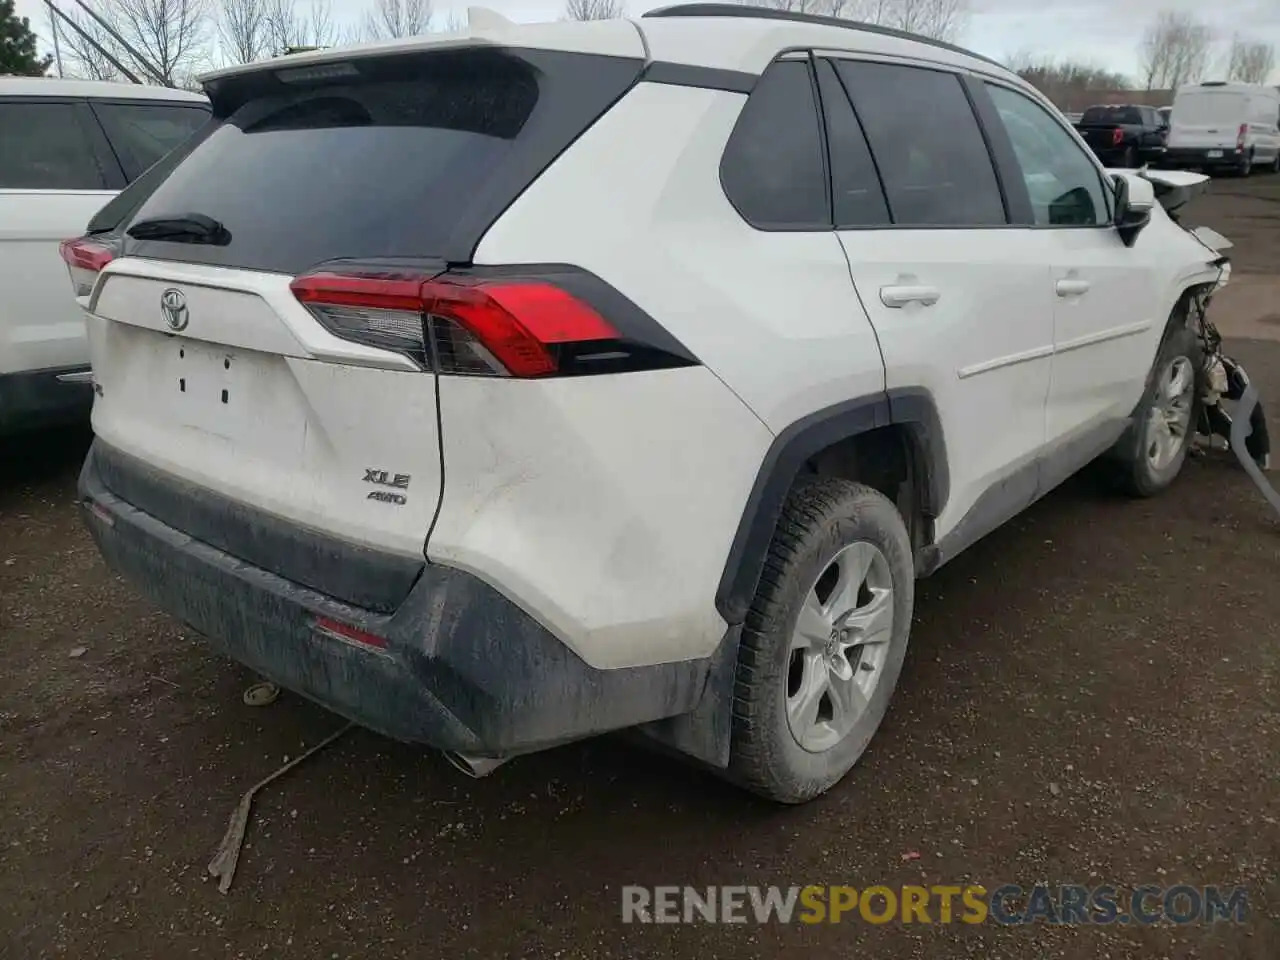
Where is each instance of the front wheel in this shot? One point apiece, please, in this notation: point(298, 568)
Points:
point(824, 640)
point(1150, 455)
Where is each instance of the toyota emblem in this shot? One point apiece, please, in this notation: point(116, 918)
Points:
point(174, 307)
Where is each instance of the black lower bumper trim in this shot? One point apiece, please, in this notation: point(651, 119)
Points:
point(1197, 157)
point(464, 668)
point(346, 571)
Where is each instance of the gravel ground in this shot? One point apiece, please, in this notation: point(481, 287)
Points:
point(1091, 696)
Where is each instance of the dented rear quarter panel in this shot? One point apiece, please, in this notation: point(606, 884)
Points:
point(603, 506)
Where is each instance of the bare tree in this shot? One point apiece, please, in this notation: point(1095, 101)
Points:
point(1059, 79)
point(594, 9)
point(80, 57)
point(455, 22)
point(397, 18)
point(830, 8)
point(242, 30)
point(938, 19)
point(1174, 50)
point(286, 28)
point(172, 34)
point(165, 40)
point(1250, 62)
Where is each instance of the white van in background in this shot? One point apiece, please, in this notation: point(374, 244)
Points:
point(1226, 126)
point(66, 148)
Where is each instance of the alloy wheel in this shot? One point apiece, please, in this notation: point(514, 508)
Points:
point(839, 647)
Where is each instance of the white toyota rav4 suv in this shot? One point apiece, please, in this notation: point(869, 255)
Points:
point(511, 386)
point(66, 147)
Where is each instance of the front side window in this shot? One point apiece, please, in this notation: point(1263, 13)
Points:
point(772, 169)
point(1064, 184)
point(44, 147)
point(927, 145)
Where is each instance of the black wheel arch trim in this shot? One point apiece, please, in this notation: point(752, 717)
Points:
point(912, 408)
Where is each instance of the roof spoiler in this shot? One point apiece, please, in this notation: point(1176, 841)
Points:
point(483, 26)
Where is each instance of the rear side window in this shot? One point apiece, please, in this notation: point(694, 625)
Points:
point(44, 147)
point(772, 169)
point(927, 145)
point(142, 133)
point(391, 159)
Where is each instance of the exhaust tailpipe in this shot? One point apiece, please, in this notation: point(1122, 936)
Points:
point(474, 767)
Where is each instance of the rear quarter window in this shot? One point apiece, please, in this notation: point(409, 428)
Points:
point(773, 170)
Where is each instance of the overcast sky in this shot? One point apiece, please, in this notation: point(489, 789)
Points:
point(1104, 32)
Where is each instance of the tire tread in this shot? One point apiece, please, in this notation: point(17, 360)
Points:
point(812, 507)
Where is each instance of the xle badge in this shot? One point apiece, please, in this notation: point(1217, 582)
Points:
point(383, 478)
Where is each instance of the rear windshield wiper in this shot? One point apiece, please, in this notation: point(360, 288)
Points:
point(181, 228)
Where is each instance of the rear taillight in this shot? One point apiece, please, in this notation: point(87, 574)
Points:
point(85, 259)
point(1242, 135)
point(462, 323)
point(1117, 136)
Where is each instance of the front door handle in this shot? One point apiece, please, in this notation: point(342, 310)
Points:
point(1072, 288)
point(899, 296)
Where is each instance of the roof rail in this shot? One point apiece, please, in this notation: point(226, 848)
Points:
point(743, 11)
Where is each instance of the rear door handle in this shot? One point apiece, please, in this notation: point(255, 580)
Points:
point(1072, 288)
point(900, 296)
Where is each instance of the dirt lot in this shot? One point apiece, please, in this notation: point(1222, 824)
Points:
point(1092, 696)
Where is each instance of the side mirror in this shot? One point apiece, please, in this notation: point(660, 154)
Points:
point(1135, 199)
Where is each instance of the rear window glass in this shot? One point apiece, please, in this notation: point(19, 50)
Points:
point(375, 169)
point(1201, 109)
point(142, 133)
point(1112, 115)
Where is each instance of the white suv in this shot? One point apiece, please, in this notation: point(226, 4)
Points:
point(512, 386)
point(66, 147)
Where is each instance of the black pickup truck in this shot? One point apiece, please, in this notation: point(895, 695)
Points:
point(1124, 135)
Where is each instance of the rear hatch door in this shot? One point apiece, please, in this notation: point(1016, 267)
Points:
point(1207, 120)
point(214, 373)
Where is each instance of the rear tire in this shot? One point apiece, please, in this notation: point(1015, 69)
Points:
point(1246, 165)
point(1149, 456)
point(824, 640)
point(1130, 159)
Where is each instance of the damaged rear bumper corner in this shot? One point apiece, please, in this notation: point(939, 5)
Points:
point(463, 668)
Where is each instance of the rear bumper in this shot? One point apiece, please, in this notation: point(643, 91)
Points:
point(463, 668)
point(1199, 157)
point(45, 398)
